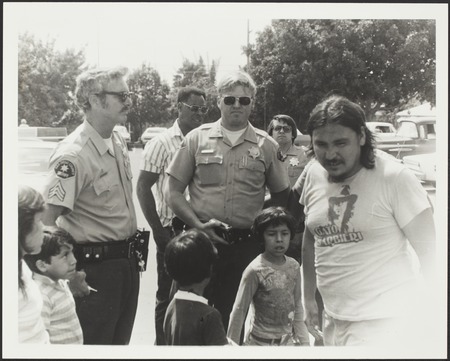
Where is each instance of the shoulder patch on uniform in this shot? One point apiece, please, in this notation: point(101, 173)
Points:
point(64, 169)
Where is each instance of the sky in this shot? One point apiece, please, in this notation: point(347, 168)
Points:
point(163, 34)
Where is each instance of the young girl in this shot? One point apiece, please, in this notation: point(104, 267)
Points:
point(271, 283)
point(31, 235)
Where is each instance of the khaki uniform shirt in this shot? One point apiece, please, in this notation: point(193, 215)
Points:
point(93, 185)
point(228, 182)
point(295, 163)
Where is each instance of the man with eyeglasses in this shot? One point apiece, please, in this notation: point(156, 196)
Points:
point(89, 194)
point(158, 152)
point(227, 165)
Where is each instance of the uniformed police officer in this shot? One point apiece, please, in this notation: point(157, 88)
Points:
point(89, 194)
point(227, 165)
point(191, 104)
point(283, 129)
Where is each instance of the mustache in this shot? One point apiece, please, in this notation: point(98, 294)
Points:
point(333, 162)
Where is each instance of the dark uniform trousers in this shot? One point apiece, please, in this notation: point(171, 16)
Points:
point(231, 263)
point(162, 293)
point(107, 316)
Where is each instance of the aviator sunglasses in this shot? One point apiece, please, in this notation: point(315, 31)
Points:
point(196, 108)
point(123, 96)
point(229, 100)
point(286, 128)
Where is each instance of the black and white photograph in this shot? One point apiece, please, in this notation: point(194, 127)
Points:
point(225, 174)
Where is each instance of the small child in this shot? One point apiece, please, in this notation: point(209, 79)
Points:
point(189, 319)
point(52, 268)
point(271, 283)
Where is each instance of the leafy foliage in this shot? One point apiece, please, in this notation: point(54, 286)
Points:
point(151, 105)
point(46, 79)
point(196, 74)
point(380, 64)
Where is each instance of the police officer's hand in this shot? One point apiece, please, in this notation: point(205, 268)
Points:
point(161, 237)
point(312, 319)
point(209, 228)
point(78, 285)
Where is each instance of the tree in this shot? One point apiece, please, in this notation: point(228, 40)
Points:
point(197, 74)
point(151, 105)
point(46, 79)
point(380, 64)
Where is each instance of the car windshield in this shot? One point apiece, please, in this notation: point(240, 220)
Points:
point(407, 129)
point(33, 159)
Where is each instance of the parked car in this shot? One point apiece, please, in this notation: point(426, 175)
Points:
point(33, 159)
point(381, 130)
point(45, 133)
point(423, 166)
point(123, 131)
point(415, 135)
point(302, 139)
point(150, 133)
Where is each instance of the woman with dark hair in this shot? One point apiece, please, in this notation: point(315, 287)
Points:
point(283, 129)
point(31, 235)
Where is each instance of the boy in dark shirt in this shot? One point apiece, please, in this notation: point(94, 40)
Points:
point(189, 319)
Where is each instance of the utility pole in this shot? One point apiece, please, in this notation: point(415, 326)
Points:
point(248, 44)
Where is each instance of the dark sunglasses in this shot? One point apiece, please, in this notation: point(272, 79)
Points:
point(286, 128)
point(232, 100)
point(196, 108)
point(123, 96)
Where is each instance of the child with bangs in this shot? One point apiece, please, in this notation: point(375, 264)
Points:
point(52, 268)
point(271, 285)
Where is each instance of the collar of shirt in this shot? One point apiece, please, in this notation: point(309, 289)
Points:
point(189, 296)
point(216, 132)
point(47, 280)
point(177, 130)
point(98, 141)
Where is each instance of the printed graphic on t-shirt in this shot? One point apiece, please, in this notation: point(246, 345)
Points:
point(339, 229)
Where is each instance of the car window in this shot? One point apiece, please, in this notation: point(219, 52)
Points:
point(407, 129)
point(431, 131)
point(384, 129)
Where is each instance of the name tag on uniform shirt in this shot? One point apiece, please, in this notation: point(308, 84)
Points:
point(207, 151)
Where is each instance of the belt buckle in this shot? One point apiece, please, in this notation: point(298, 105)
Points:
point(92, 253)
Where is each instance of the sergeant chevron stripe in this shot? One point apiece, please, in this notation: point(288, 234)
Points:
point(57, 191)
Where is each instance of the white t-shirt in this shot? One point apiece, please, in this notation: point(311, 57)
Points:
point(366, 268)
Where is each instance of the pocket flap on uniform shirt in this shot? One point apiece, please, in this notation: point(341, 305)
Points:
point(252, 164)
point(101, 185)
point(209, 159)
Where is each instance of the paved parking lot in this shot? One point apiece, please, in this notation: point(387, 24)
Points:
point(144, 326)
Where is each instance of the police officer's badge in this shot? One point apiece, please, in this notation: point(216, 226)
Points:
point(64, 169)
point(294, 162)
point(254, 152)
